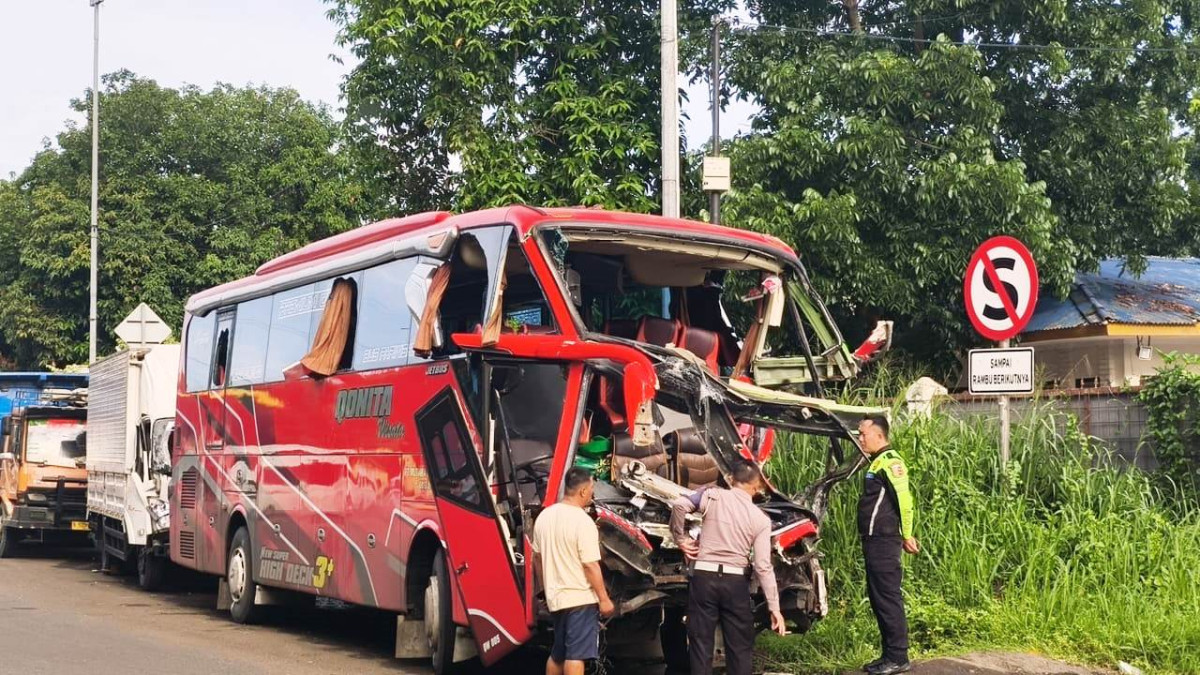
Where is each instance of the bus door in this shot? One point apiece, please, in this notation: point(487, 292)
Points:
point(480, 558)
point(210, 544)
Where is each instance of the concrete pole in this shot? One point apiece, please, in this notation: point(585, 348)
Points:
point(670, 110)
point(669, 50)
point(92, 314)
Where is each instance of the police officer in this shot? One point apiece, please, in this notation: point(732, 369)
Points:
point(885, 524)
point(734, 535)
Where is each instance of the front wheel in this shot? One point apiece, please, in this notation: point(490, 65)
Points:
point(8, 541)
point(239, 574)
point(439, 619)
point(151, 569)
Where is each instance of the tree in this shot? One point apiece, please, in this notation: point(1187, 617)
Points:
point(879, 169)
point(887, 160)
point(469, 104)
point(196, 188)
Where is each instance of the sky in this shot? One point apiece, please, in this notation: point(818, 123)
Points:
point(46, 52)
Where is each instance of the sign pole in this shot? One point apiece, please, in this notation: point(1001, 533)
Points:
point(1000, 289)
point(1004, 421)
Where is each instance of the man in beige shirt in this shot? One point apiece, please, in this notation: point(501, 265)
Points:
point(566, 555)
point(733, 533)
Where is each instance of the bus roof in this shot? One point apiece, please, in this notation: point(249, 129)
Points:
point(524, 218)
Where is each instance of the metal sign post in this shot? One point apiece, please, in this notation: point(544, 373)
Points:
point(1000, 290)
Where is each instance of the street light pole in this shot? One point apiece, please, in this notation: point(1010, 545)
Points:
point(92, 314)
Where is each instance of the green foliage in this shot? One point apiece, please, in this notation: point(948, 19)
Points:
point(1057, 554)
point(886, 163)
point(879, 167)
point(1172, 397)
point(196, 188)
point(548, 102)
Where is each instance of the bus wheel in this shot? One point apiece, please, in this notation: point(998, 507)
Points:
point(8, 541)
point(239, 573)
point(439, 621)
point(151, 569)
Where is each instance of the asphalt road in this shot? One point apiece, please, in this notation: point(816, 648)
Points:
point(62, 616)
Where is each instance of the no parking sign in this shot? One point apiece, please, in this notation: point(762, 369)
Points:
point(1000, 288)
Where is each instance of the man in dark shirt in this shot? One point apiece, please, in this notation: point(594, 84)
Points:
point(885, 524)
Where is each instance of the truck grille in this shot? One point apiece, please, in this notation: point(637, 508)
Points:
point(187, 545)
point(187, 489)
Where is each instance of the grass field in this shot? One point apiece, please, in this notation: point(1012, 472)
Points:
point(1091, 565)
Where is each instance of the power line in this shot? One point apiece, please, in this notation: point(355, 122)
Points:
point(980, 45)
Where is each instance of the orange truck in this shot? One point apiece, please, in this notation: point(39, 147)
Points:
point(43, 479)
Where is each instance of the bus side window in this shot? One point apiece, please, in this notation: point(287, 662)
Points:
point(199, 351)
point(220, 366)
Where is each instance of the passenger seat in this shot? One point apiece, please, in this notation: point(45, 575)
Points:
point(624, 451)
point(658, 331)
point(694, 467)
point(703, 343)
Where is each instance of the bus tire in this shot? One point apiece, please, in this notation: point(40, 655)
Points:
point(8, 541)
point(151, 569)
point(673, 637)
point(239, 573)
point(439, 617)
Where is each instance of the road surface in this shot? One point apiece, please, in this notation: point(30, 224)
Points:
point(63, 616)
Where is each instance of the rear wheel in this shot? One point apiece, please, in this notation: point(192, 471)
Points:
point(439, 619)
point(8, 541)
point(151, 569)
point(239, 574)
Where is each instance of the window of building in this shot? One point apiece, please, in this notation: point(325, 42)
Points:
point(248, 362)
point(385, 317)
point(199, 351)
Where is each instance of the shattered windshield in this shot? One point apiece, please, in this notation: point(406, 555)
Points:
point(730, 305)
point(53, 442)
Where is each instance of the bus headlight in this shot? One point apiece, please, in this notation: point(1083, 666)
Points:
point(35, 498)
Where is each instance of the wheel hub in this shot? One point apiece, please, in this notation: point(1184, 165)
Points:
point(237, 575)
point(432, 613)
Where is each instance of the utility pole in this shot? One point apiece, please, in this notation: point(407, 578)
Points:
point(714, 197)
point(670, 110)
point(717, 175)
point(669, 56)
point(92, 314)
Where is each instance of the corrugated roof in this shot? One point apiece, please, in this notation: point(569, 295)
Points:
point(1168, 293)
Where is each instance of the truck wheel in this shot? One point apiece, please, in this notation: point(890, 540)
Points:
point(8, 541)
point(151, 569)
point(672, 635)
point(439, 619)
point(239, 573)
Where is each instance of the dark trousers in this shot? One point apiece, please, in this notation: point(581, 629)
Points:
point(882, 555)
point(725, 599)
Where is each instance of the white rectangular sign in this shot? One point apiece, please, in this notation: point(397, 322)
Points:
point(1000, 371)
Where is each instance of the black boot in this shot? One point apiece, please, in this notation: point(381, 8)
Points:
point(890, 668)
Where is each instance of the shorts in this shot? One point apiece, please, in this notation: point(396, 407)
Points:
point(576, 634)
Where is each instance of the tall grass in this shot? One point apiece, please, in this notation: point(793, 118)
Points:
point(1051, 554)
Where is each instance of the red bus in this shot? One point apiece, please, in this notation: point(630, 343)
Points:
point(378, 417)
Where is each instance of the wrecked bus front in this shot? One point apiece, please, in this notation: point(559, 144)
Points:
point(675, 326)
